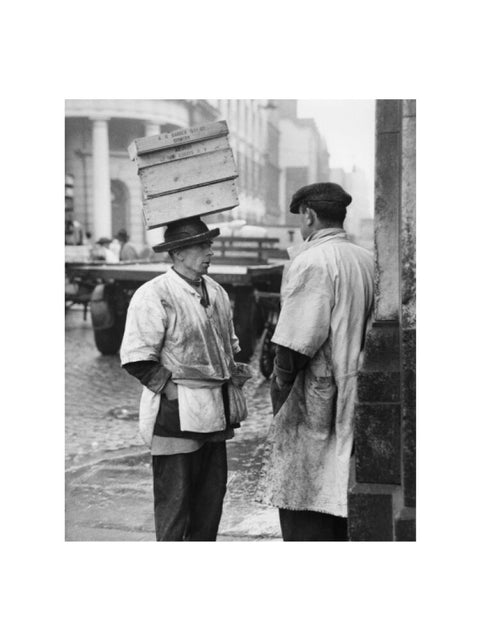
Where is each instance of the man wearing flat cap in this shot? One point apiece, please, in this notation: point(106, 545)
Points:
point(179, 341)
point(326, 301)
point(127, 250)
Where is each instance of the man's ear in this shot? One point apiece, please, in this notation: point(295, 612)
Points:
point(178, 253)
point(310, 216)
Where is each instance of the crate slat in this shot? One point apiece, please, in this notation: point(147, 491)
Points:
point(188, 172)
point(178, 137)
point(184, 151)
point(204, 200)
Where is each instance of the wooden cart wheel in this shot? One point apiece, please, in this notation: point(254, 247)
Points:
point(108, 341)
point(267, 352)
point(108, 324)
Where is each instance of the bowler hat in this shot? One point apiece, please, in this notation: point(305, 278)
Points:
point(329, 197)
point(185, 233)
point(103, 241)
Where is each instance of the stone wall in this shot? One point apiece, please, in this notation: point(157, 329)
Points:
point(382, 493)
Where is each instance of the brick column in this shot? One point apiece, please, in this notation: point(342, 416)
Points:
point(102, 210)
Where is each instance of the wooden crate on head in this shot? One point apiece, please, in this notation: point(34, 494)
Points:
point(186, 173)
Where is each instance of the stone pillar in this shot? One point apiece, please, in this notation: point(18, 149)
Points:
point(102, 210)
point(382, 495)
point(406, 522)
point(387, 209)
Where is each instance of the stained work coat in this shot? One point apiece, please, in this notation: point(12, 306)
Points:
point(167, 324)
point(327, 298)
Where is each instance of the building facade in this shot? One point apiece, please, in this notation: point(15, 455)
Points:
point(359, 220)
point(304, 156)
point(254, 137)
point(106, 189)
point(273, 149)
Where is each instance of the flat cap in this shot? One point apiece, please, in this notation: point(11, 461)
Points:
point(324, 195)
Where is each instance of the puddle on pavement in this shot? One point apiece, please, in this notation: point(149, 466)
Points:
point(123, 413)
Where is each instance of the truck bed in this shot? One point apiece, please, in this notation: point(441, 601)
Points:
point(143, 271)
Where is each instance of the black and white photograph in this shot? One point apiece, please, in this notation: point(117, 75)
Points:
point(214, 275)
point(240, 320)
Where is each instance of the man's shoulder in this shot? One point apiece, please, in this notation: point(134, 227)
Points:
point(310, 258)
point(357, 252)
point(323, 258)
point(213, 283)
point(151, 288)
point(327, 251)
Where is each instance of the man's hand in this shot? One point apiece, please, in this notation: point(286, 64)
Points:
point(170, 390)
point(278, 394)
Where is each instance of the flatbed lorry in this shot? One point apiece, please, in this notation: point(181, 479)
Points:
point(108, 287)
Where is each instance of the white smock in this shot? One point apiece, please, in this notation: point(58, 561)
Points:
point(167, 324)
point(327, 297)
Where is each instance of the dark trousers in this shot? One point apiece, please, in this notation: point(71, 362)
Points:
point(302, 526)
point(188, 491)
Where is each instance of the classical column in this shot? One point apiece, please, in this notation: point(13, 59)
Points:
point(102, 212)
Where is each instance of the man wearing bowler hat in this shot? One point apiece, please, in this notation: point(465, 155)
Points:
point(326, 301)
point(179, 341)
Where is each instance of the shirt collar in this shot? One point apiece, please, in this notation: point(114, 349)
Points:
point(171, 273)
point(189, 281)
point(324, 233)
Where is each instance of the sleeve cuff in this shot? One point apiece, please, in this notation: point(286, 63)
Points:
point(158, 379)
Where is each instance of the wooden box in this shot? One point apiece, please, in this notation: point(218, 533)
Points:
point(185, 173)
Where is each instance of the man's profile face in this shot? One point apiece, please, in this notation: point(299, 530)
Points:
point(196, 259)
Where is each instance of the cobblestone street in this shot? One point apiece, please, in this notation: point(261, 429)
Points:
point(108, 475)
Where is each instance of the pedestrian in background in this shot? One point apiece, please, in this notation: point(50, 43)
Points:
point(73, 232)
point(101, 251)
point(127, 250)
point(326, 301)
point(179, 342)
